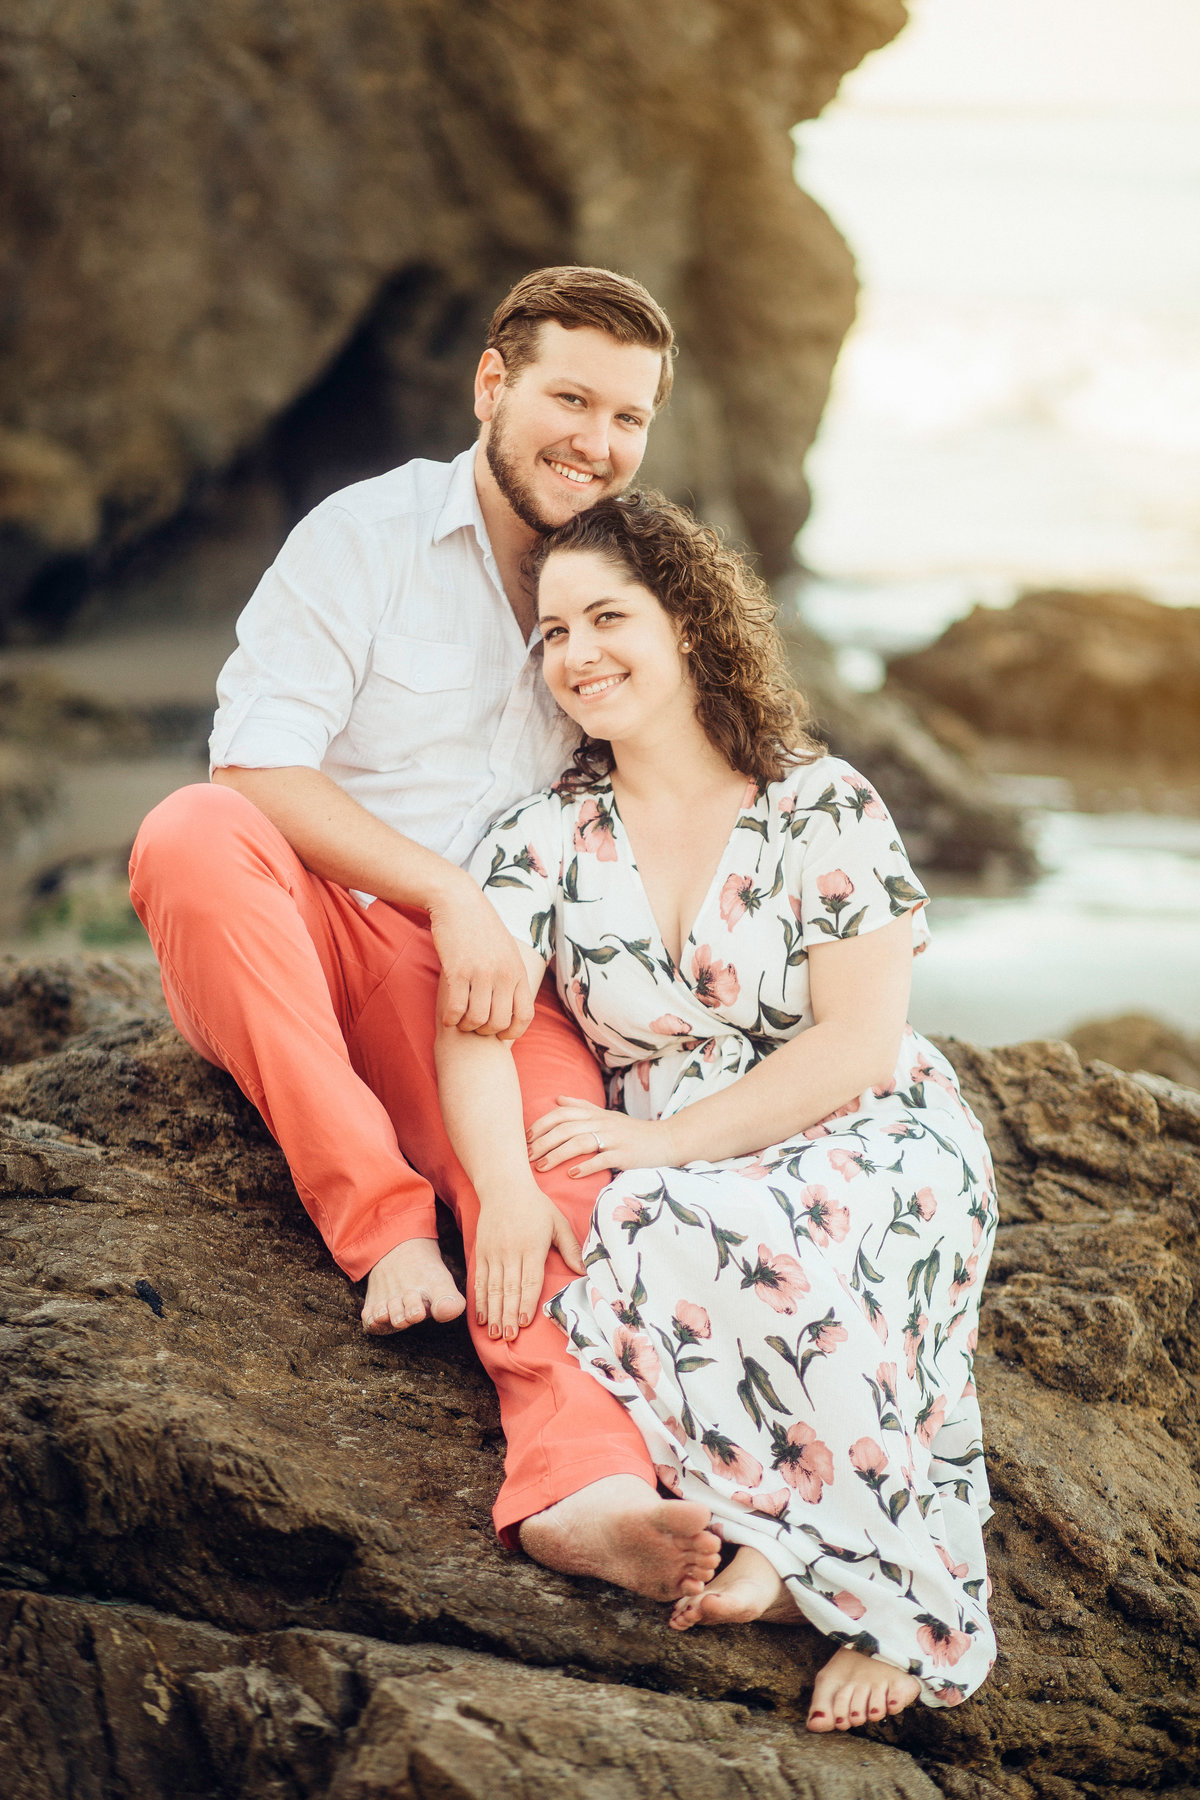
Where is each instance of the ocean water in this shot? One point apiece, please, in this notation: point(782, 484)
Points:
point(1019, 405)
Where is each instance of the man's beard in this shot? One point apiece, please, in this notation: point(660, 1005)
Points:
point(503, 465)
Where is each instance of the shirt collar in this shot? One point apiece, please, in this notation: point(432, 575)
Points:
point(461, 508)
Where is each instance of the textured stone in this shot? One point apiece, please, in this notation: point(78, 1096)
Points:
point(1100, 671)
point(192, 1424)
point(219, 208)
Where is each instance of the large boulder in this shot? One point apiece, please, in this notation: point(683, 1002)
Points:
point(1105, 672)
point(248, 1549)
point(217, 209)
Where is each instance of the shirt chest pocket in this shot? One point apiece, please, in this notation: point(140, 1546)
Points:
point(414, 694)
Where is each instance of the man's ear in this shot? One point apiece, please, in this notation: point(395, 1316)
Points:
point(489, 379)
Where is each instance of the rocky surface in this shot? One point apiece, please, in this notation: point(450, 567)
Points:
point(231, 225)
point(246, 1551)
point(1136, 1041)
point(1105, 672)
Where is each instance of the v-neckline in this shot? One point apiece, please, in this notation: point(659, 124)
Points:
point(750, 799)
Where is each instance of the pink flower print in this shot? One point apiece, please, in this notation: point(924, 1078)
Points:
point(925, 1203)
point(850, 1604)
point(826, 1336)
point(826, 1218)
point(730, 1460)
point(869, 1460)
point(941, 1644)
point(638, 1357)
point(976, 1228)
point(805, 1463)
point(958, 1570)
point(642, 1071)
point(867, 803)
point(632, 1212)
point(737, 898)
point(846, 1163)
point(913, 1338)
point(777, 1280)
point(756, 1171)
point(822, 1128)
point(676, 1430)
point(716, 982)
point(835, 887)
point(881, 1093)
point(875, 1317)
point(709, 1050)
point(593, 832)
point(669, 1478)
point(694, 1322)
point(973, 1339)
point(529, 859)
point(923, 1071)
point(773, 1505)
point(578, 993)
point(963, 1281)
point(797, 909)
point(670, 1025)
point(930, 1419)
point(886, 1376)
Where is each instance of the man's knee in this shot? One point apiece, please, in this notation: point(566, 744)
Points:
point(183, 844)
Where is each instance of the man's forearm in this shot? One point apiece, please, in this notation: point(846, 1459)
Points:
point(341, 841)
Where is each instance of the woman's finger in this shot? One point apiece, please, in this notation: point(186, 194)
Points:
point(511, 1307)
point(495, 1298)
point(569, 1138)
point(531, 1289)
point(580, 1145)
point(481, 1274)
point(594, 1165)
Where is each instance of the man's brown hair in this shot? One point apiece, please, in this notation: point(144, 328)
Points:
point(576, 296)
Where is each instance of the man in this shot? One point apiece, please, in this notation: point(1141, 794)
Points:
point(384, 705)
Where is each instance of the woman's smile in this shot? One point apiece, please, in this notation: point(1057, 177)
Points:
point(597, 685)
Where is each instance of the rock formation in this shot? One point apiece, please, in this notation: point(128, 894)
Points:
point(1109, 673)
point(246, 1550)
point(226, 220)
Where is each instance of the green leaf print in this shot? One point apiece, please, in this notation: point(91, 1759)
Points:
point(725, 1240)
point(599, 1254)
point(850, 928)
point(687, 1365)
point(639, 948)
point(759, 1379)
point(782, 1348)
point(778, 1021)
point(897, 1503)
point(684, 1214)
point(902, 895)
point(497, 881)
point(538, 935)
point(571, 880)
point(599, 956)
point(759, 825)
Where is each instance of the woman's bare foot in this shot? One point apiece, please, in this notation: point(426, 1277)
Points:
point(748, 1589)
point(852, 1689)
point(621, 1531)
point(407, 1285)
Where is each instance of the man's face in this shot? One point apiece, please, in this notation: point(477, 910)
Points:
point(571, 427)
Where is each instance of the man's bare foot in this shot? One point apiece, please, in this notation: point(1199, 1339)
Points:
point(407, 1285)
point(748, 1589)
point(852, 1689)
point(621, 1531)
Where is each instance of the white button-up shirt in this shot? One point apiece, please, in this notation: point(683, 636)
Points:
point(380, 648)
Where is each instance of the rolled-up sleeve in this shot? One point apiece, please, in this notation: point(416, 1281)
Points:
point(303, 645)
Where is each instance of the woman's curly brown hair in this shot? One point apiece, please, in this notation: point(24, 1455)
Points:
point(747, 703)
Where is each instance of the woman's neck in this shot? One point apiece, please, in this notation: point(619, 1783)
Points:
point(679, 766)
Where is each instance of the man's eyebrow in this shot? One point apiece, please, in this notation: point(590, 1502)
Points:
point(593, 394)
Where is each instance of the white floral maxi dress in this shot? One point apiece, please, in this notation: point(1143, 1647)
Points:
point(793, 1332)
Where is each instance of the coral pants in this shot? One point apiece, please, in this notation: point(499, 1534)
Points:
point(323, 1013)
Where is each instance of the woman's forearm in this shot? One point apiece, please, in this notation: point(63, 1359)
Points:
point(800, 1083)
point(481, 1106)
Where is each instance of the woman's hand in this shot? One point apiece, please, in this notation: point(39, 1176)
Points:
point(599, 1139)
point(511, 1246)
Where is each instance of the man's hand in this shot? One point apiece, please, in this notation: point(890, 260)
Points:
point(575, 1128)
point(484, 986)
point(511, 1246)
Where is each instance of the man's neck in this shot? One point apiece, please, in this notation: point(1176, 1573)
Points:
point(510, 538)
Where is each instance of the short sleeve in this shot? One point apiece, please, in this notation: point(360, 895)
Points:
point(303, 643)
point(519, 867)
point(846, 869)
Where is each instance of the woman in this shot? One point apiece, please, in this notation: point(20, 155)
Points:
point(782, 1280)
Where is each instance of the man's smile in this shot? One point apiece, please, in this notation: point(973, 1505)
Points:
point(581, 477)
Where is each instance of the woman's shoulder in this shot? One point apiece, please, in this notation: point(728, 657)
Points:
point(826, 781)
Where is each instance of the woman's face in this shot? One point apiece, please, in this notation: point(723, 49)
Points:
point(612, 656)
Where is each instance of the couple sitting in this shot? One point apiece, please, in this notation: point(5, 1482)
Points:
point(726, 1218)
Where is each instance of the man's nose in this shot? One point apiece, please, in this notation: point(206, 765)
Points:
point(590, 439)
